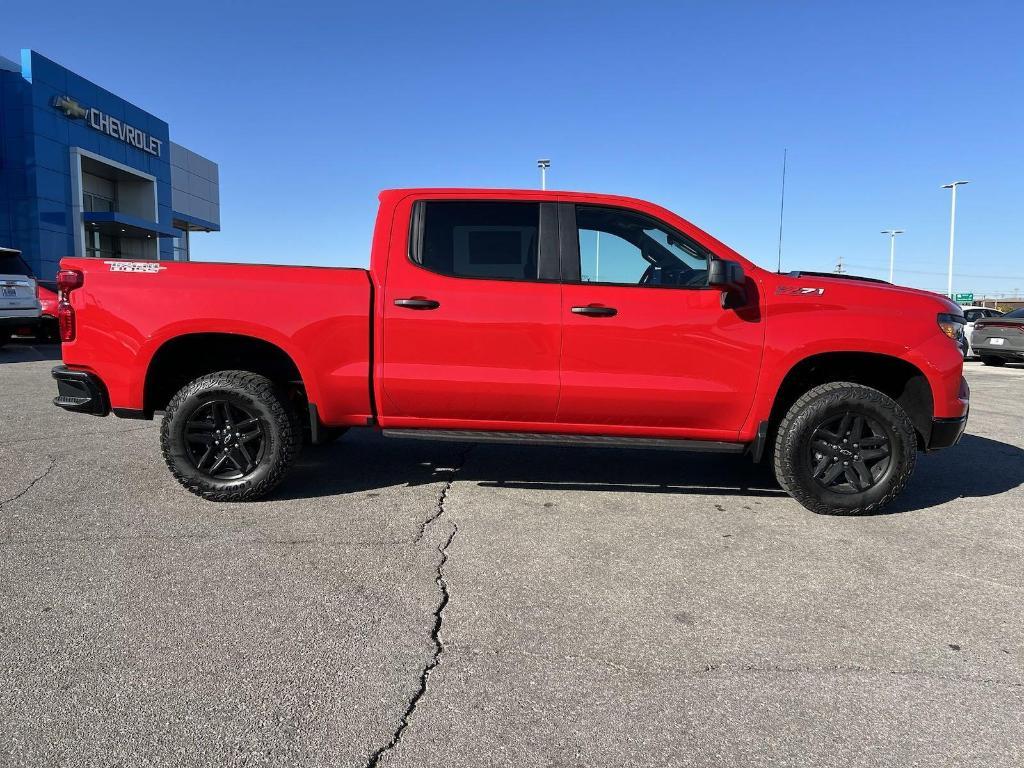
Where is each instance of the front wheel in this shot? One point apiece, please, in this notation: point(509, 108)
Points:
point(230, 436)
point(845, 449)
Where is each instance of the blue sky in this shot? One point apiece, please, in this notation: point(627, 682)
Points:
point(310, 108)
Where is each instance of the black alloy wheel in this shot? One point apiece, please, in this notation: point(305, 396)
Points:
point(230, 435)
point(224, 440)
point(844, 448)
point(849, 452)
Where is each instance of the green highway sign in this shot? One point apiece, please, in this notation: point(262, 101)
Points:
point(963, 298)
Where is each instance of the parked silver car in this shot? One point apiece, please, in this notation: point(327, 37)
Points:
point(1000, 340)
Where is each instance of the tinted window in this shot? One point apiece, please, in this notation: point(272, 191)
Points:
point(1015, 313)
point(623, 247)
point(477, 239)
point(974, 314)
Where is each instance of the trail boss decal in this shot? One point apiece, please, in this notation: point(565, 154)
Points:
point(134, 266)
point(793, 290)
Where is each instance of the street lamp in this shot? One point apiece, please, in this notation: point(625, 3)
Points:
point(543, 165)
point(892, 247)
point(952, 226)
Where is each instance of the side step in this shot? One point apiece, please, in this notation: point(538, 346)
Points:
point(544, 438)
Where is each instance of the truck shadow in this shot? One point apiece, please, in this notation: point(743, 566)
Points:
point(362, 461)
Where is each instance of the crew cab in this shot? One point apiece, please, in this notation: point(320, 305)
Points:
point(520, 316)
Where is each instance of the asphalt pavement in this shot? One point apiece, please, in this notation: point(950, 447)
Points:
point(408, 603)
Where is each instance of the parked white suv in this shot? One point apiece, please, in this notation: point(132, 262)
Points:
point(19, 304)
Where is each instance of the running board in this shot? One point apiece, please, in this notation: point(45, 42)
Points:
point(544, 438)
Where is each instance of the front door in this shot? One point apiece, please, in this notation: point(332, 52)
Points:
point(646, 343)
point(471, 327)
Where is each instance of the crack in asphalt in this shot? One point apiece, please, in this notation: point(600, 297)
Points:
point(435, 632)
point(435, 659)
point(443, 496)
point(27, 488)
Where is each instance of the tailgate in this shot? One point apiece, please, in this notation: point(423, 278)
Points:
point(17, 292)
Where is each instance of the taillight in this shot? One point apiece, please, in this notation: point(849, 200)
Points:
point(67, 281)
point(66, 320)
point(996, 324)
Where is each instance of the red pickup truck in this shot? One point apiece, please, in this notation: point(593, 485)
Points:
point(528, 317)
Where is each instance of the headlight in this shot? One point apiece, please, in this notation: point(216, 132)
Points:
point(952, 325)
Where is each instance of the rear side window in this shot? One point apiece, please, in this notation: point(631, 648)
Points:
point(11, 263)
point(490, 240)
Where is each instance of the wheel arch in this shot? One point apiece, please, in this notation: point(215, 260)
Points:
point(185, 357)
point(901, 380)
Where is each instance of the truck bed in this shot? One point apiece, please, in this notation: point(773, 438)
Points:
point(320, 316)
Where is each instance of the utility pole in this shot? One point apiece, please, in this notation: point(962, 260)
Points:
point(782, 206)
point(892, 247)
point(543, 164)
point(952, 226)
point(839, 266)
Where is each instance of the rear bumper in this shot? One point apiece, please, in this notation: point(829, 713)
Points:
point(12, 320)
point(946, 432)
point(80, 392)
point(1012, 355)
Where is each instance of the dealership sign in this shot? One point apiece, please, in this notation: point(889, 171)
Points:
point(111, 126)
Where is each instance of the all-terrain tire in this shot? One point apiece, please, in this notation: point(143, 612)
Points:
point(998, 362)
point(281, 434)
point(796, 455)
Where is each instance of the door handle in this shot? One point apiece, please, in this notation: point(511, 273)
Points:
point(592, 310)
point(417, 303)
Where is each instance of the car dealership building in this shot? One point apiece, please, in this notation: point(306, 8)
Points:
point(85, 173)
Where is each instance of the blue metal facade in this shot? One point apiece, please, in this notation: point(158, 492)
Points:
point(37, 173)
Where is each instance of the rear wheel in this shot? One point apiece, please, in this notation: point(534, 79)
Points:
point(230, 436)
point(996, 361)
point(845, 449)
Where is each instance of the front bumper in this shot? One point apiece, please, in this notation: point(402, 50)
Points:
point(80, 391)
point(946, 432)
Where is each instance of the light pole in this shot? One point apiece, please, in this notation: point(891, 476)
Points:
point(892, 247)
point(543, 165)
point(952, 226)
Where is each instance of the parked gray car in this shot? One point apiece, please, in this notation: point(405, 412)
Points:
point(1000, 340)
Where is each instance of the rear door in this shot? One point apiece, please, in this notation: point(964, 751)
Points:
point(471, 315)
point(646, 343)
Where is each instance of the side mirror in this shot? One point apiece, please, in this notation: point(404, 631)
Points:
point(729, 276)
point(726, 274)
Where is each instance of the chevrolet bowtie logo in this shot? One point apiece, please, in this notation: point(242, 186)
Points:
point(70, 107)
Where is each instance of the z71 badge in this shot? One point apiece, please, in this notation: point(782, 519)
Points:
point(795, 290)
point(135, 266)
